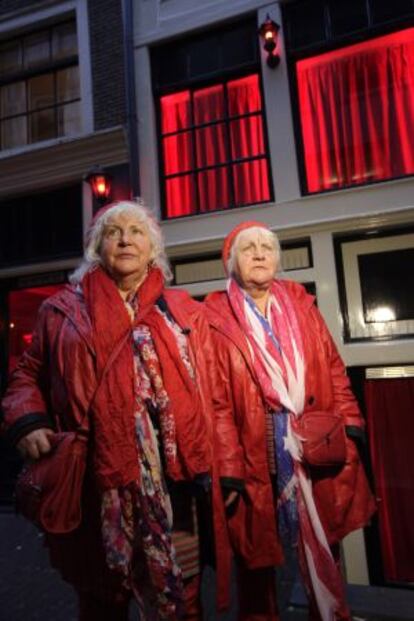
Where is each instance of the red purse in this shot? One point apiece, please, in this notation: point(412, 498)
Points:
point(323, 438)
point(49, 490)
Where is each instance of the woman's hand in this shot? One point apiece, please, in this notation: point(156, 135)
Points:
point(232, 497)
point(36, 443)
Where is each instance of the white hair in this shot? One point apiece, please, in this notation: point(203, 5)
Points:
point(265, 234)
point(92, 257)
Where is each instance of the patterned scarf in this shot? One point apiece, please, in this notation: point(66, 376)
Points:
point(276, 348)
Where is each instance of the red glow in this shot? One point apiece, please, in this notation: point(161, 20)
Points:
point(100, 186)
point(214, 146)
point(357, 112)
point(27, 338)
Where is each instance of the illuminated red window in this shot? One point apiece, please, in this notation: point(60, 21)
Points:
point(23, 306)
point(213, 148)
point(357, 112)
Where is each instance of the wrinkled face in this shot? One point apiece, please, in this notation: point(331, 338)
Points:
point(256, 259)
point(126, 247)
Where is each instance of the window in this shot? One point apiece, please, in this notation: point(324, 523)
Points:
point(356, 107)
point(39, 86)
point(213, 147)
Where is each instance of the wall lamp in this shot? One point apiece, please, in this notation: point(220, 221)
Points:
point(269, 33)
point(100, 182)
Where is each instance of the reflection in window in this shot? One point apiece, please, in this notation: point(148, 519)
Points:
point(40, 94)
point(213, 147)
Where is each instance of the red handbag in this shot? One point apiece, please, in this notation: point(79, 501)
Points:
point(49, 490)
point(323, 438)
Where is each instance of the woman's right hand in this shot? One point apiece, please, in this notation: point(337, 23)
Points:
point(36, 443)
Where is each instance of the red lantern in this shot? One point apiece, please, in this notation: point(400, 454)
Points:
point(268, 32)
point(101, 184)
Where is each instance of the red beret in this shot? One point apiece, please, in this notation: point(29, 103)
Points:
point(228, 242)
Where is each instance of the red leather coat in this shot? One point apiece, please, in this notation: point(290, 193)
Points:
point(343, 498)
point(56, 377)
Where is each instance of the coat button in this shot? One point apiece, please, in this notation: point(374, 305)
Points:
point(311, 400)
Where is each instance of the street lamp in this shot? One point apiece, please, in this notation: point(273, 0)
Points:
point(269, 33)
point(101, 184)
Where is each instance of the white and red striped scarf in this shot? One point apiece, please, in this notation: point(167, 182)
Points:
point(280, 369)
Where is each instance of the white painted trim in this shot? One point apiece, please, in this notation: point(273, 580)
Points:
point(21, 20)
point(85, 66)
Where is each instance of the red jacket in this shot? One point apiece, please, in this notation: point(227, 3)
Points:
point(56, 378)
point(344, 500)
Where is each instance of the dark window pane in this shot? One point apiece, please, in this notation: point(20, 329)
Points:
point(42, 125)
point(41, 227)
point(247, 137)
point(68, 84)
point(208, 104)
point(175, 112)
point(178, 153)
point(204, 57)
point(305, 23)
point(41, 91)
point(10, 57)
point(213, 187)
point(13, 99)
point(36, 49)
point(211, 145)
point(383, 277)
point(69, 119)
point(348, 16)
point(251, 184)
point(240, 45)
point(244, 95)
point(14, 132)
point(384, 10)
point(180, 196)
point(64, 42)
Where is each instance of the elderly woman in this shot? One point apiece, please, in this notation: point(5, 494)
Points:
point(278, 362)
point(150, 461)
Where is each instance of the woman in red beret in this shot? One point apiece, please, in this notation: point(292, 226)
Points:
point(292, 479)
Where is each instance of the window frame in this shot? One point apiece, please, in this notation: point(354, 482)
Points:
point(194, 85)
point(50, 67)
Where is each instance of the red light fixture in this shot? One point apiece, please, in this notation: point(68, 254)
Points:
point(269, 33)
point(100, 182)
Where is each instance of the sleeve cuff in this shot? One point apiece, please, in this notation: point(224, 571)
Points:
point(25, 424)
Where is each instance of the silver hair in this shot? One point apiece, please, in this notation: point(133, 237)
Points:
point(92, 257)
point(269, 236)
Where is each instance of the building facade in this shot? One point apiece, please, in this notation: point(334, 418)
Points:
point(182, 103)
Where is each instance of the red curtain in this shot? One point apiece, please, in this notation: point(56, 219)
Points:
point(357, 112)
point(219, 134)
point(390, 412)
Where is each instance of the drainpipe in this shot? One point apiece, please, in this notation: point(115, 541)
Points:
point(131, 108)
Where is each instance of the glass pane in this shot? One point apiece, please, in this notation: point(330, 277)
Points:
point(211, 145)
point(213, 187)
point(175, 112)
point(42, 125)
point(208, 104)
point(41, 91)
point(68, 84)
point(244, 95)
point(246, 137)
point(14, 132)
point(69, 119)
point(64, 41)
point(178, 153)
point(23, 307)
point(13, 99)
point(36, 49)
point(180, 196)
point(10, 57)
point(251, 184)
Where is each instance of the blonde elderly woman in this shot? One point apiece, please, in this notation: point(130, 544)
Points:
point(279, 366)
point(150, 462)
